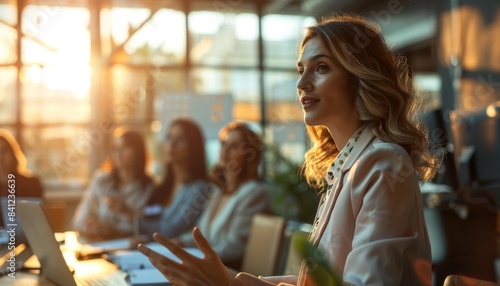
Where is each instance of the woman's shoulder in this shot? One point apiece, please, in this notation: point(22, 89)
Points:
point(386, 148)
point(200, 187)
point(199, 183)
point(385, 155)
point(26, 177)
point(29, 185)
point(255, 187)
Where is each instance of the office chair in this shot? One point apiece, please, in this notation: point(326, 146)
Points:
point(461, 226)
point(263, 248)
point(460, 280)
point(476, 137)
point(56, 215)
point(439, 146)
point(470, 223)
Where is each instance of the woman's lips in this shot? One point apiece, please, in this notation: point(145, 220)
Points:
point(308, 102)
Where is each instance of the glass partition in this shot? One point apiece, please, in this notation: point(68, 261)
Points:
point(241, 85)
point(223, 39)
point(281, 35)
point(142, 36)
point(8, 104)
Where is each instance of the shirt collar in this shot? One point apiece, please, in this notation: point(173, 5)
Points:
point(339, 161)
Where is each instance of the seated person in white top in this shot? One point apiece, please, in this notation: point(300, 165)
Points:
point(185, 189)
point(359, 109)
point(107, 208)
point(228, 217)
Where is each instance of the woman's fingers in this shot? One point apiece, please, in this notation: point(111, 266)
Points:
point(203, 245)
point(159, 261)
point(192, 270)
point(174, 248)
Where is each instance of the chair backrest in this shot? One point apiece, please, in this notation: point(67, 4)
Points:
point(460, 280)
point(437, 234)
point(438, 146)
point(264, 245)
point(56, 214)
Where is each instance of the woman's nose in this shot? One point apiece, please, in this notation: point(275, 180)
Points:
point(304, 83)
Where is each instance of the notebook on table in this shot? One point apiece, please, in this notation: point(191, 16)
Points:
point(53, 265)
point(140, 270)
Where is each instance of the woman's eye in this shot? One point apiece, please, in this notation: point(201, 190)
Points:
point(322, 68)
point(300, 71)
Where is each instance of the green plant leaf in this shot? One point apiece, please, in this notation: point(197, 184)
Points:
point(319, 270)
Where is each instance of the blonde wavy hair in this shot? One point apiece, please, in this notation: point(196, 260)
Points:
point(383, 94)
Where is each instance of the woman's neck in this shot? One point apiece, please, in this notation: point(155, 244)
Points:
point(181, 174)
point(126, 176)
point(341, 134)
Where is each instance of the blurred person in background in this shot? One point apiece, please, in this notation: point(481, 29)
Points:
point(15, 178)
point(240, 195)
point(178, 201)
point(117, 192)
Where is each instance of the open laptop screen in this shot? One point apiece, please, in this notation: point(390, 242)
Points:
point(9, 218)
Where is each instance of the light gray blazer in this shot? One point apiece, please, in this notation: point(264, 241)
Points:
point(228, 232)
point(371, 225)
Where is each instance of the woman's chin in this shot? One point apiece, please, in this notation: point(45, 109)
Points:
point(311, 121)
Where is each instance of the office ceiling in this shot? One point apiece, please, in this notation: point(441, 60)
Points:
point(404, 22)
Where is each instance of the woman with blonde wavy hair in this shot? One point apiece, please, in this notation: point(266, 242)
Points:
point(368, 153)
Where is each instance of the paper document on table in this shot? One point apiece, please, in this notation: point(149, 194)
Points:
point(114, 244)
point(133, 259)
point(149, 276)
point(104, 246)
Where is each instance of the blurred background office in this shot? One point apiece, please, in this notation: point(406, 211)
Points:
point(74, 71)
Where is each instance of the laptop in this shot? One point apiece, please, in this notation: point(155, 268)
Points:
point(53, 265)
point(10, 220)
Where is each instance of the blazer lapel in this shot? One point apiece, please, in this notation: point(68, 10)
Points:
point(363, 141)
point(205, 220)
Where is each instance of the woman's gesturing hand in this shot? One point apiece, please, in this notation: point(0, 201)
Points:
point(192, 270)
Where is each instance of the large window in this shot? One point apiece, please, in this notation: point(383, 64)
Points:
point(44, 93)
point(71, 83)
point(281, 35)
point(286, 129)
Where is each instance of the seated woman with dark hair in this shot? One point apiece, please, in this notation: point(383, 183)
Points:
point(13, 168)
point(227, 219)
point(185, 189)
point(107, 208)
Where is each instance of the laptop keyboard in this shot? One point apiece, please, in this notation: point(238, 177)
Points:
point(113, 279)
point(98, 272)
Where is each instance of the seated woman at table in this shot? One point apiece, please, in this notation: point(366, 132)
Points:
point(227, 219)
point(107, 208)
point(15, 179)
point(178, 201)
